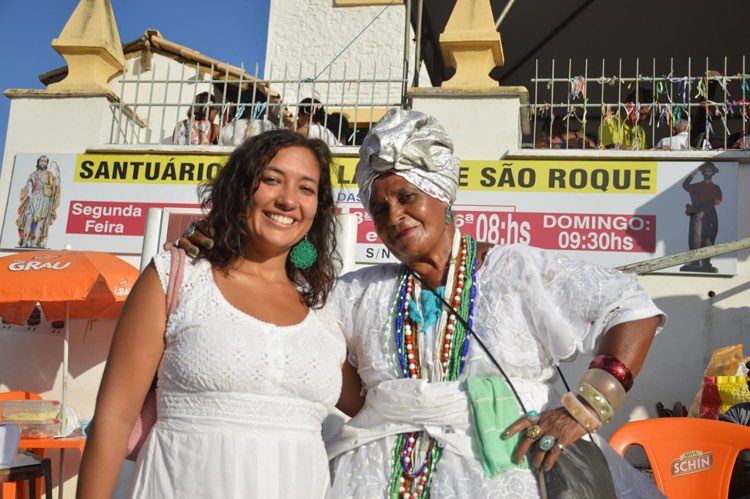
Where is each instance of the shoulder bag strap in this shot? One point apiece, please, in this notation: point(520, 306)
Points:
point(177, 267)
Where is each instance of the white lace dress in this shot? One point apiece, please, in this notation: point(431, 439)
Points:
point(533, 308)
point(240, 402)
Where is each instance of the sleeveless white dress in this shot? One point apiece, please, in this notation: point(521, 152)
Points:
point(240, 402)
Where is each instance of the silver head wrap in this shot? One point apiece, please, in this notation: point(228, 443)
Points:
point(414, 146)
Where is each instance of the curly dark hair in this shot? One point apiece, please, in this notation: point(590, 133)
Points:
point(227, 197)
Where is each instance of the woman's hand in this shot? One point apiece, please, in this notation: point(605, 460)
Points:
point(199, 239)
point(556, 423)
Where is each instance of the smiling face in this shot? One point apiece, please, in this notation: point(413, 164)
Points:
point(285, 202)
point(410, 223)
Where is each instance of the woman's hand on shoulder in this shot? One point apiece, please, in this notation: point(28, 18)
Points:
point(556, 423)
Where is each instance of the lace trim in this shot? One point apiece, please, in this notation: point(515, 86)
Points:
point(245, 409)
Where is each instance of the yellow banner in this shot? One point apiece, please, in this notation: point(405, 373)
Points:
point(619, 177)
point(147, 168)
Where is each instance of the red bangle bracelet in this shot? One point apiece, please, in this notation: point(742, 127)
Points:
point(614, 367)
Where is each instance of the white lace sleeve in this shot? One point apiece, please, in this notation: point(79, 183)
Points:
point(348, 305)
point(341, 305)
point(569, 303)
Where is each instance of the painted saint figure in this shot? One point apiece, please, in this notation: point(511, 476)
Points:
point(37, 210)
point(704, 222)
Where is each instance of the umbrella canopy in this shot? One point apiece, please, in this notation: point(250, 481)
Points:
point(93, 284)
point(69, 285)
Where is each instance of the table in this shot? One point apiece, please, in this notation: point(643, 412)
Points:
point(39, 446)
point(27, 467)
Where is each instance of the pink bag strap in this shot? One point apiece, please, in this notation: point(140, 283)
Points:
point(177, 266)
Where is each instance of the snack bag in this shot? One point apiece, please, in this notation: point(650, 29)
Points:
point(724, 362)
point(722, 392)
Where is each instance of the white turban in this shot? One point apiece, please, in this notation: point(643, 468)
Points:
point(414, 146)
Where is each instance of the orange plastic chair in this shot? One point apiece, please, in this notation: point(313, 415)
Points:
point(9, 488)
point(690, 457)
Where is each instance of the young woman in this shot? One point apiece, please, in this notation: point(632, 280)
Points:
point(248, 365)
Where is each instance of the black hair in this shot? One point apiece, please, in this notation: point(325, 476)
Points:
point(313, 108)
point(336, 120)
point(645, 96)
point(200, 107)
point(553, 129)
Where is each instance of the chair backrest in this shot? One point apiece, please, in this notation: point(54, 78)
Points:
point(19, 396)
point(690, 457)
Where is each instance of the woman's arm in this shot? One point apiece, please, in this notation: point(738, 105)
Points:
point(137, 347)
point(628, 342)
point(351, 400)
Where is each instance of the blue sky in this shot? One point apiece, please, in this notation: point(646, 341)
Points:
point(233, 31)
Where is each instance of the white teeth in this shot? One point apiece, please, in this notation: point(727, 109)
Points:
point(281, 219)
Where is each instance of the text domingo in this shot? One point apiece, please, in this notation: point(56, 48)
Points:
point(160, 171)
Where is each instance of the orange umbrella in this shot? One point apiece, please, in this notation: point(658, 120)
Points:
point(94, 285)
point(68, 285)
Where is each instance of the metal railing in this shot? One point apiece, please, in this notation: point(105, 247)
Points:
point(664, 262)
point(636, 104)
point(154, 100)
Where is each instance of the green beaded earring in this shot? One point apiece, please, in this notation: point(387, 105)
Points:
point(303, 254)
point(448, 215)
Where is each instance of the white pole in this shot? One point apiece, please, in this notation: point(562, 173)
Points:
point(151, 236)
point(66, 338)
point(346, 241)
point(63, 424)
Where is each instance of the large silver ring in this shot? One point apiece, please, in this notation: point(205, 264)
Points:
point(189, 231)
point(546, 442)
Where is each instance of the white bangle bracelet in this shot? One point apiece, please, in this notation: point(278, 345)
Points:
point(607, 385)
point(597, 401)
point(580, 412)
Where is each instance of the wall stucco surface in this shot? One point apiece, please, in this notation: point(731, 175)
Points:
point(304, 36)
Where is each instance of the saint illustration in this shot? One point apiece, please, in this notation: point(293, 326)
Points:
point(704, 221)
point(37, 210)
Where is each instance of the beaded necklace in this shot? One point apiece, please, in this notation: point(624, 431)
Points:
point(416, 454)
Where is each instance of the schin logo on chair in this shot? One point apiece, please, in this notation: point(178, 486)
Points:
point(692, 462)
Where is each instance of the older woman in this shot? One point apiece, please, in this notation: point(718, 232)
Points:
point(415, 435)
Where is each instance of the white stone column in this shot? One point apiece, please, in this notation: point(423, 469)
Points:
point(484, 123)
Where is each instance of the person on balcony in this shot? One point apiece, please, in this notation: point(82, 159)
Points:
point(680, 139)
point(249, 121)
point(199, 127)
point(555, 135)
point(312, 120)
point(623, 130)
